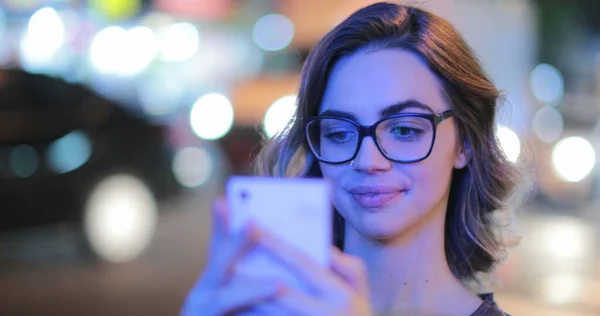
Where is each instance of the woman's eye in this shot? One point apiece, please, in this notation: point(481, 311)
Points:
point(407, 132)
point(339, 136)
point(403, 130)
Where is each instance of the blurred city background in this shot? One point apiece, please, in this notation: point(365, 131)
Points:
point(120, 120)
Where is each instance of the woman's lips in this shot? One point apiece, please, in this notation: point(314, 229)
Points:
point(374, 197)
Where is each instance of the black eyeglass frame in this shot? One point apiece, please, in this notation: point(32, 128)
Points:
point(370, 130)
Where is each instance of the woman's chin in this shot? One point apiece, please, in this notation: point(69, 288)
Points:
point(379, 228)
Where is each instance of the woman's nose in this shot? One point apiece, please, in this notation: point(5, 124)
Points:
point(369, 158)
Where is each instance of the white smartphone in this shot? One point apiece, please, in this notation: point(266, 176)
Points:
point(297, 210)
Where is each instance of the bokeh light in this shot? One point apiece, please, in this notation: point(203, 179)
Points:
point(44, 36)
point(211, 116)
point(562, 289)
point(548, 124)
point(509, 142)
point(46, 29)
point(547, 84)
point(23, 161)
point(115, 50)
point(573, 158)
point(117, 9)
point(120, 218)
point(273, 32)
point(279, 114)
point(69, 152)
point(178, 42)
point(141, 47)
point(192, 166)
point(104, 49)
point(566, 238)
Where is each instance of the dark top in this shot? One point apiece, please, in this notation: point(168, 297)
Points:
point(488, 307)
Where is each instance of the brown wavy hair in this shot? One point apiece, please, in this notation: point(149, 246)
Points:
point(477, 190)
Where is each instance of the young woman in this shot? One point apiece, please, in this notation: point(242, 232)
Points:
point(396, 112)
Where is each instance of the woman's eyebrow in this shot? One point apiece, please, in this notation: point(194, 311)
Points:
point(401, 106)
point(392, 109)
point(338, 113)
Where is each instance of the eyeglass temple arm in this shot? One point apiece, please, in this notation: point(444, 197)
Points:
point(444, 115)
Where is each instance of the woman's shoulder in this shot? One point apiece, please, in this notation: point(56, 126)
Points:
point(488, 307)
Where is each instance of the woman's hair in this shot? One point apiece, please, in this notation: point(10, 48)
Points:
point(477, 190)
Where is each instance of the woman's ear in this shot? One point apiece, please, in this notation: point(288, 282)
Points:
point(463, 157)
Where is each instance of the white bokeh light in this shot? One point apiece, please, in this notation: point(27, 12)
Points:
point(279, 114)
point(105, 54)
point(573, 158)
point(547, 84)
point(192, 166)
point(548, 124)
point(141, 47)
point(509, 142)
point(566, 238)
point(211, 116)
point(47, 29)
point(273, 32)
point(178, 42)
point(44, 37)
point(120, 218)
point(115, 50)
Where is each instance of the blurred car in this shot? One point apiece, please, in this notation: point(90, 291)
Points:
point(67, 155)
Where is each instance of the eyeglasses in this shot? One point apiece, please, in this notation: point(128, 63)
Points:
point(403, 137)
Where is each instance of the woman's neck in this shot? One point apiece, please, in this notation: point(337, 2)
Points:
point(409, 273)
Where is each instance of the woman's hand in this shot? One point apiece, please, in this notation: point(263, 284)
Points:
point(217, 292)
point(341, 290)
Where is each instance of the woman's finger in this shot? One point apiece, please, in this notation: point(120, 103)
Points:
point(235, 298)
point(232, 298)
point(269, 307)
point(223, 260)
point(299, 303)
point(350, 269)
point(219, 223)
point(316, 277)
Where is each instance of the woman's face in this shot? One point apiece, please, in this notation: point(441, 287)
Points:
point(377, 197)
